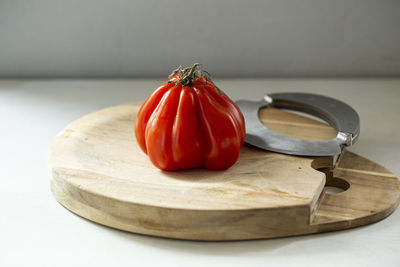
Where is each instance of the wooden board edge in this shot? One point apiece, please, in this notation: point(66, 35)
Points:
point(238, 226)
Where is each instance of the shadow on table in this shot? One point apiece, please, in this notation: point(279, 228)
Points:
point(228, 247)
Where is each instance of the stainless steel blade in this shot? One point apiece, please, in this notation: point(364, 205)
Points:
point(340, 115)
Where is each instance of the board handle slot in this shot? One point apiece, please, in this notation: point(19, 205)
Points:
point(368, 194)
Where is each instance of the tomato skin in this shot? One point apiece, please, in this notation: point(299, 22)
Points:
point(145, 112)
point(188, 139)
point(183, 127)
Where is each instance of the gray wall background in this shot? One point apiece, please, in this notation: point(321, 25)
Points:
point(147, 38)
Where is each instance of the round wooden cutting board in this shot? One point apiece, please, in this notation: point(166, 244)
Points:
point(99, 172)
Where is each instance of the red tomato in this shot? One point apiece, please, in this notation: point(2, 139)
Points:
point(188, 122)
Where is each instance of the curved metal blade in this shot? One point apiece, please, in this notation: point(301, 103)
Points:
point(257, 134)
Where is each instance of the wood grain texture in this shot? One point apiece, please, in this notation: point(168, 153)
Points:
point(99, 172)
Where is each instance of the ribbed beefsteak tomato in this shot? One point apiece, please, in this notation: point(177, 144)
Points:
point(188, 122)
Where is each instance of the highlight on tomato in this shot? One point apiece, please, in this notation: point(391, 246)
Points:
point(189, 122)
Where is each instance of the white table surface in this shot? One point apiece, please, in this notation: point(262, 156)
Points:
point(37, 231)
